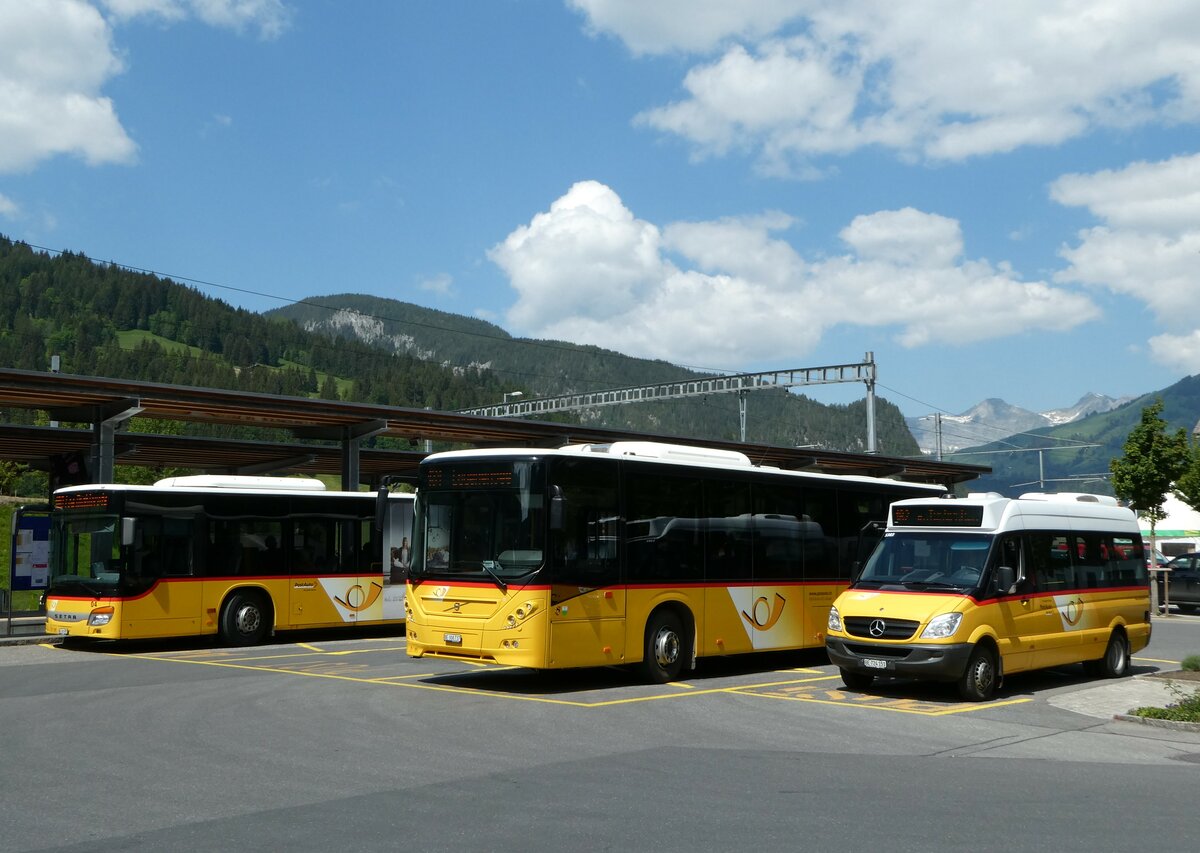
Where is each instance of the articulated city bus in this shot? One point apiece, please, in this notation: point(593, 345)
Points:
point(238, 557)
point(968, 590)
point(634, 552)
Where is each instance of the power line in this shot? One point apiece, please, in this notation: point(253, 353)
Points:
point(576, 349)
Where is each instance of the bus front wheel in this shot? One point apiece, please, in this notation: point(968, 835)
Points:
point(663, 656)
point(856, 680)
point(244, 620)
point(978, 682)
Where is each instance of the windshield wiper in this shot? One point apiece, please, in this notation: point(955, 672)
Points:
point(938, 585)
point(96, 591)
point(487, 567)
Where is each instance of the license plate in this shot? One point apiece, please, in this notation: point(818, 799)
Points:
point(874, 663)
point(454, 639)
point(62, 632)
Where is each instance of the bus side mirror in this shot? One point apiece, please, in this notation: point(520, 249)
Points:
point(558, 508)
point(1006, 579)
point(128, 531)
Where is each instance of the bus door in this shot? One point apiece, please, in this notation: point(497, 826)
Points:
point(389, 566)
point(161, 561)
point(1017, 614)
point(587, 621)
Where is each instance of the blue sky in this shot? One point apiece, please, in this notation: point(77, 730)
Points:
point(996, 199)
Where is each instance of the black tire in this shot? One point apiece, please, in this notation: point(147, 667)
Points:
point(1115, 663)
point(856, 680)
point(980, 679)
point(663, 655)
point(245, 619)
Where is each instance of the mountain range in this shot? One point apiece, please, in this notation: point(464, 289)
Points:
point(993, 419)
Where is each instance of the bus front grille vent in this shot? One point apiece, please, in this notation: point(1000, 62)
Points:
point(877, 628)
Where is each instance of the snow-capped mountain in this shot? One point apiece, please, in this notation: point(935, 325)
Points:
point(994, 419)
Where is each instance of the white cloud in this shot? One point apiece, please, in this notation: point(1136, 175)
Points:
point(8, 207)
point(586, 256)
point(1181, 352)
point(1147, 245)
point(733, 292)
point(55, 57)
point(441, 284)
point(269, 17)
point(684, 25)
point(938, 79)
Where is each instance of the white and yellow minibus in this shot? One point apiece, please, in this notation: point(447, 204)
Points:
point(969, 590)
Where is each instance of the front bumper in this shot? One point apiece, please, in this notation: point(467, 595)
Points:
point(915, 660)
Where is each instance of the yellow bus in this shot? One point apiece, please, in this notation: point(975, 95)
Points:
point(631, 553)
point(239, 557)
point(970, 590)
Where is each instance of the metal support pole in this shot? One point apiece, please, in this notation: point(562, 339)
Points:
point(106, 420)
point(350, 464)
point(742, 395)
point(870, 380)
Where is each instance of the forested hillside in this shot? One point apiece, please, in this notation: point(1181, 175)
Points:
point(107, 321)
point(104, 320)
point(547, 368)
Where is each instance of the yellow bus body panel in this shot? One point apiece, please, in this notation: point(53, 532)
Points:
point(561, 627)
point(192, 606)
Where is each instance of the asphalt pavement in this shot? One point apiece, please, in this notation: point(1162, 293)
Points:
point(1112, 699)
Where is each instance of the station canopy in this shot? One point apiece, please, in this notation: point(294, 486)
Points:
point(327, 435)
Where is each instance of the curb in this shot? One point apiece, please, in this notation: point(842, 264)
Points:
point(1175, 725)
point(31, 640)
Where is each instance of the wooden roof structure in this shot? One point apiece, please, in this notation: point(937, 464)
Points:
point(328, 434)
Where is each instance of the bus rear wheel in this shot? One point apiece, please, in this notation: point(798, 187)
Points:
point(244, 619)
point(663, 657)
point(978, 682)
point(1115, 662)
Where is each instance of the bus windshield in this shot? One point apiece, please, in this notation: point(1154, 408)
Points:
point(86, 555)
point(936, 562)
point(495, 529)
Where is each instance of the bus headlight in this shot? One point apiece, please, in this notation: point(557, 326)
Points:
point(100, 616)
point(835, 619)
point(941, 627)
point(521, 614)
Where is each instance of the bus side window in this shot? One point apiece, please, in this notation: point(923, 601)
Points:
point(669, 508)
point(1091, 562)
point(1051, 561)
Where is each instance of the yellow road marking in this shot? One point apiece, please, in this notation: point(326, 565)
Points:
point(796, 690)
point(1156, 660)
point(879, 703)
